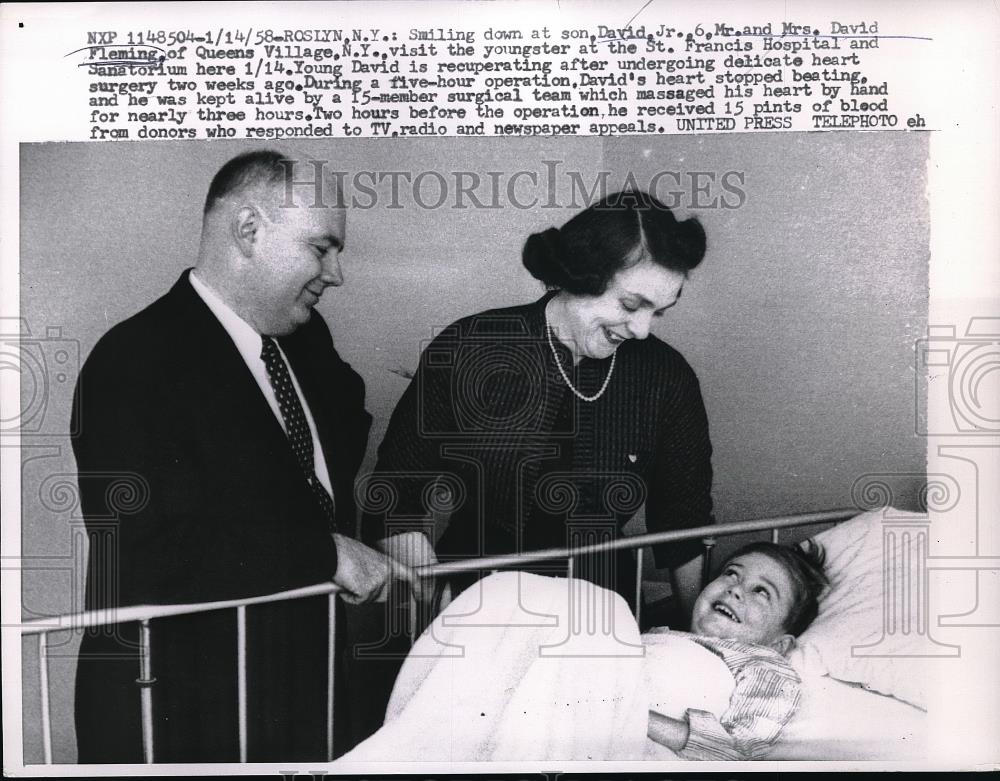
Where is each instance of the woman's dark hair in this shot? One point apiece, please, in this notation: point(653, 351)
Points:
point(805, 568)
point(583, 255)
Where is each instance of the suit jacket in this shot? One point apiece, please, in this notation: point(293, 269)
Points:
point(191, 493)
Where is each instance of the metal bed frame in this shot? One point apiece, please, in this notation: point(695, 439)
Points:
point(145, 613)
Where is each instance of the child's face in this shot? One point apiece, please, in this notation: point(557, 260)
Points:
point(749, 601)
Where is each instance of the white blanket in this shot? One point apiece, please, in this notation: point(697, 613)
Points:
point(519, 667)
point(514, 671)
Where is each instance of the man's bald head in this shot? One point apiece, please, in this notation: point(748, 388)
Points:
point(273, 179)
point(272, 232)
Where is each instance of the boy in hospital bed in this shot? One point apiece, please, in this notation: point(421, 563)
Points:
point(749, 616)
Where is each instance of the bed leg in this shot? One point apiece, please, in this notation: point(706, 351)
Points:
point(331, 668)
point(146, 681)
point(241, 678)
point(638, 587)
point(43, 684)
point(414, 619)
point(706, 565)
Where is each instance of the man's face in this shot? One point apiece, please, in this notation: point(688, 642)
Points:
point(749, 601)
point(296, 256)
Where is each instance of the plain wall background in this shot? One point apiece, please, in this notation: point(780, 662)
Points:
point(800, 322)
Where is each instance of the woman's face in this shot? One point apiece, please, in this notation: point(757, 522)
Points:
point(634, 297)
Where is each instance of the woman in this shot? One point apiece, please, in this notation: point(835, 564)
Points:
point(550, 424)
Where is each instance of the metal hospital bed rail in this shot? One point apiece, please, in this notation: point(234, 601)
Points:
point(145, 613)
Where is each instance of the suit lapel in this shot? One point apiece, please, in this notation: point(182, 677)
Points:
point(218, 370)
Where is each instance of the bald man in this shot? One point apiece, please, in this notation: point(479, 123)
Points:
point(227, 406)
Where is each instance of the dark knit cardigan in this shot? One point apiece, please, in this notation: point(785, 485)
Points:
point(488, 435)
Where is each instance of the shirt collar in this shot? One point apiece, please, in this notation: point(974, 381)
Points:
point(247, 340)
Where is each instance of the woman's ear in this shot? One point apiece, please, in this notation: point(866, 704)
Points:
point(783, 645)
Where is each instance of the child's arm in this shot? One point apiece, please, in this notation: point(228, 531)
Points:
point(763, 701)
point(672, 733)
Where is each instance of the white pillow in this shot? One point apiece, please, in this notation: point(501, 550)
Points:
point(867, 628)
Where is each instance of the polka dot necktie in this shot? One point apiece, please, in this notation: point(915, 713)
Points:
point(295, 423)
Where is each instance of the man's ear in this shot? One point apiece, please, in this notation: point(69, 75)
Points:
point(246, 224)
point(783, 645)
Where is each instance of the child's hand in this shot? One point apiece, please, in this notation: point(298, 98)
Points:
point(669, 732)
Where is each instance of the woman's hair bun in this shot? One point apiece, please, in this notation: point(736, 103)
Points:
point(544, 255)
point(583, 255)
point(686, 243)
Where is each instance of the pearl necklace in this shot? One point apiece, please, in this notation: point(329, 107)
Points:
point(562, 371)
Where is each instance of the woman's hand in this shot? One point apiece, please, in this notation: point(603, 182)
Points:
point(412, 550)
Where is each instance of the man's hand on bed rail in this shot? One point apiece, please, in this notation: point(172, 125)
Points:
point(365, 574)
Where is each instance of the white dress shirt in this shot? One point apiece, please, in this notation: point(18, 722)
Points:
point(249, 343)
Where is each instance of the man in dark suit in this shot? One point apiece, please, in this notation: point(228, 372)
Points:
point(219, 436)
